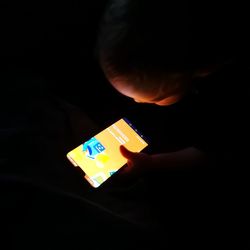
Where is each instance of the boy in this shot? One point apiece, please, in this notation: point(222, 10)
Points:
point(158, 53)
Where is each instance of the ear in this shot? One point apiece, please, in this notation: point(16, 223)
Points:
point(207, 70)
point(202, 72)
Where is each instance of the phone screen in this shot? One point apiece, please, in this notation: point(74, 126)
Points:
point(100, 156)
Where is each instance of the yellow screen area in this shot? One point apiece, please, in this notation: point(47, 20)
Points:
point(100, 156)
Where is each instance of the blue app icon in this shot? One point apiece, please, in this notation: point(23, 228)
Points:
point(93, 147)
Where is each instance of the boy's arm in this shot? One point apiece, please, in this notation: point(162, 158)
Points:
point(187, 158)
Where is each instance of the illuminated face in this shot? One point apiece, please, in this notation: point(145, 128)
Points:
point(154, 95)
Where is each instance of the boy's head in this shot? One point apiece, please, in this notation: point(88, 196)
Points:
point(151, 51)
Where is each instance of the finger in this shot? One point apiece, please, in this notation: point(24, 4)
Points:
point(127, 154)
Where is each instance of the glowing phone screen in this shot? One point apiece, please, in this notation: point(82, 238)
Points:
point(100, 156)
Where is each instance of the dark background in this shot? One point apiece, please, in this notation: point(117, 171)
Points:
point(53, 40)
point(53, 43)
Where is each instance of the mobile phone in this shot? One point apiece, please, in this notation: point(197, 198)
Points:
point(99, 157)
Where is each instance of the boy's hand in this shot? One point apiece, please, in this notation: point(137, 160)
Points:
point(138, 163)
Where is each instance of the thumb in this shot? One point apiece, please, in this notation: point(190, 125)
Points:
point(130, 156)
point(127, 154)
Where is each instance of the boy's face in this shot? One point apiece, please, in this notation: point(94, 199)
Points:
point(155, 95)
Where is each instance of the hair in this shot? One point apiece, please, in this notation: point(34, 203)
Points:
point(142, 39)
